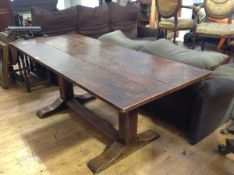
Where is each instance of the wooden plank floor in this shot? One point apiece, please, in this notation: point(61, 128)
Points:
point(59, 145)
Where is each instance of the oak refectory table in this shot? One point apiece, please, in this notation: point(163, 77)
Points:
point(124, 78)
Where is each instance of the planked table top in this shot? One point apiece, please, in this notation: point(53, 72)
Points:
point(122, 77)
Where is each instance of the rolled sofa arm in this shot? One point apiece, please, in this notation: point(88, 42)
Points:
point(212, 107)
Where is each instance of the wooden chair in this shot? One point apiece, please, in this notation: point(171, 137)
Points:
point(168, 16)
point(216, 9)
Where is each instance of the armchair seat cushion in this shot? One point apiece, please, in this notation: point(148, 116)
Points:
point(182, 23)
point(165, 48)
point(215, 29)
point(119, 38)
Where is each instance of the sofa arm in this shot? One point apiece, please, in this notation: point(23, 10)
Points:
point(143, 32)
point(211, 107)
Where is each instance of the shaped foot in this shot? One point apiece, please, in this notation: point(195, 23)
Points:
point(56, 106)
point(118, 151)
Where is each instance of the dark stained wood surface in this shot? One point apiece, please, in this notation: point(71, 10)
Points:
point(121, 77)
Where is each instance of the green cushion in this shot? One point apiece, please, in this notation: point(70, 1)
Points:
point(117, 37)
point(165, 48)
point(224, 71)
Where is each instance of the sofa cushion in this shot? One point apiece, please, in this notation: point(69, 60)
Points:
point(181, 25)
point(124, 18)
point(215, 29)
point(117, 37)
point(204, 60)
point(56, 22)
point(93, 22)
point(224, 71)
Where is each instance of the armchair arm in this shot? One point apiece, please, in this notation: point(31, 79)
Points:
point(195, 8)
point(198, 16)
point(189, 6)
point(211, 107)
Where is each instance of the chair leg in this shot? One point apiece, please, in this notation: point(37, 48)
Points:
point(174, 38)
point(232, 53)
point(203, 44)
point(193, 37)
point(225, 46)
point(158, 33)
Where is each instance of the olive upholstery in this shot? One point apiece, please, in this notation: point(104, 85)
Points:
point(182, 24)
point(216, 9)
point(219, 9)
point(215, 29)
point(168, 8)
point(167, 16)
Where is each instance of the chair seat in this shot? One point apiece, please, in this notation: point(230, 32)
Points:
point(215, 29)
point(183, 24)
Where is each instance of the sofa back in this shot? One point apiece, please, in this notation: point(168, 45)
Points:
point(56, 22)
point(92, 22)
point(124, 18)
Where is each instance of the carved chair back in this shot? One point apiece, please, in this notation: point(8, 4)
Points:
point(168, 8)
point(219, 9)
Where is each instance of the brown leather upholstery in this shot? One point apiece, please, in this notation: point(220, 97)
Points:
point(87, 21)
point(124, 18)
point(54, 23)
point(92, 22)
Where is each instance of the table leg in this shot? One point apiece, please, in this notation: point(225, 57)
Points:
point(66, 94)
point(127, 143)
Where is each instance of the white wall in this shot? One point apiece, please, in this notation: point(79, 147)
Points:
point(185, 13)
point(62, 4)
point(89, 3)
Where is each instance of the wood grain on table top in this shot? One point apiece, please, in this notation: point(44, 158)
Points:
point(120, 76)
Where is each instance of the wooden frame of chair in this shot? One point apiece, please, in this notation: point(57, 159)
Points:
point(208, 15)
point(173, 14)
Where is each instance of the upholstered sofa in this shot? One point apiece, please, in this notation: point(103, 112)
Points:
point(198, 109)
point(92, 22)
point(202, 108)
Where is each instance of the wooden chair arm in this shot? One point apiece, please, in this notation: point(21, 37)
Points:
point(195, 9)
